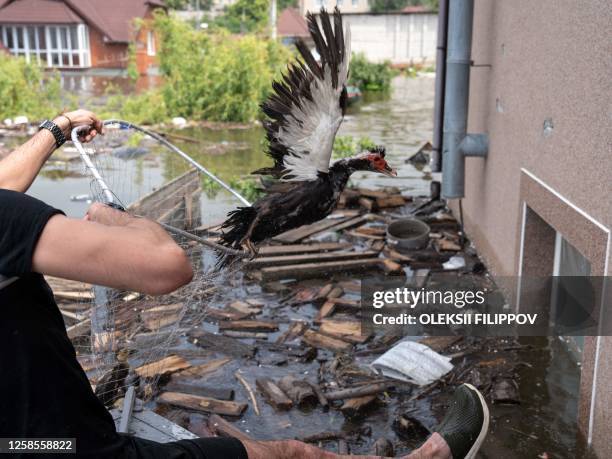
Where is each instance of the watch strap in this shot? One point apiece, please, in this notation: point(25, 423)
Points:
point(58, 135)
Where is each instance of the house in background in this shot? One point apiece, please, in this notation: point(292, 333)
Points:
point(291, 27)
point(345, 6)
point(80, 34)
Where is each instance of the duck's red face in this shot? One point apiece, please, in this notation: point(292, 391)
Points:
point(378, 164)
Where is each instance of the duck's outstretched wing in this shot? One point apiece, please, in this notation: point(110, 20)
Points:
point(307, 106)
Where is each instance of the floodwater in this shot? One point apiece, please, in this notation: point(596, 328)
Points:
point(401, 121)
point(545, 422)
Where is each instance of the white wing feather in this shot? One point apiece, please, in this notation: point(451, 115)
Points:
point(311, 136)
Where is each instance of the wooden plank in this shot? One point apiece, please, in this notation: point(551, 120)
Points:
point(74, 296)
point(219, 393)
point(368, 204)
point(344, 329)
point(273, 394)
point(161, 316)
point(224, 429)
point(221, 314)
point(205, 404)
point(167, 365)
point(276, 250)
point(309, 258)
point(295, 330)
point(373, 193)
point(350, 223)
point(244, 308)
point(297, 234)
point(390, 201)
point(220, 343)
point(200, 371)
point(80, 329)
point(359, 391)
point(326, 310)
point(246, 334)
point(151, 426)
point(353, 406)
point(157, 203)
point(319, 340)
point(249, 325)
point(299, 391)
point(310, 270)
point(57, 283)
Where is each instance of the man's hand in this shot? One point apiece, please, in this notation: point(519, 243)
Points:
point(68, 121)
point(19, 169)
point(106, 215)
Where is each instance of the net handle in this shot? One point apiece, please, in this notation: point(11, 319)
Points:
point(110, 197)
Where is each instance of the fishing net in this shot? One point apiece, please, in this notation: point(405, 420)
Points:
point(125, 338)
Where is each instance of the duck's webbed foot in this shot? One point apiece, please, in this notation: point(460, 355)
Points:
point(246, 240)
point(249, 247)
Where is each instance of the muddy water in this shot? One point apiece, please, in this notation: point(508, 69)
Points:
point(549, 380)
point(402, 121)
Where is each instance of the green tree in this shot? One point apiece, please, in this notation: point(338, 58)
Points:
point(215, 76)
point(246, 16)
point(182, 4)
point(379, 6)
point(25, 89)
point(283, 4)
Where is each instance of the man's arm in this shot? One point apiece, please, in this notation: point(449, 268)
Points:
point(19, 169)
point(111, 248)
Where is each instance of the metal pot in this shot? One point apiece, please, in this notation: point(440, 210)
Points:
point(407, 234)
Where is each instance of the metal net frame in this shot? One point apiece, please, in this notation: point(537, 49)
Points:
point(124, 338)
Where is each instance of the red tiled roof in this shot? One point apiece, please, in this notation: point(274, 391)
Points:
point(113, 18)
point(38, 12)
point(291, 24)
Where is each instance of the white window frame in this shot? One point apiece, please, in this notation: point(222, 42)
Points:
point(33, 50)
point(151, 45)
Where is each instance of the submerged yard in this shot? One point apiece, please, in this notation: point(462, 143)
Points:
point(537, 420)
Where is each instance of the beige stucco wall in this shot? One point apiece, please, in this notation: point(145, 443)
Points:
point(536, 63)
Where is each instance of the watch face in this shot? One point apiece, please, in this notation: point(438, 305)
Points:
point(43, 124)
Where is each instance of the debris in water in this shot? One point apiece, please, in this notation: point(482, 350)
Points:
point(412, 362)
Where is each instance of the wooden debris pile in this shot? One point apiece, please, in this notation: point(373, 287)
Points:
point(291, 337)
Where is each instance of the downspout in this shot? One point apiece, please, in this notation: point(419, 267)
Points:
point(457, 144)
point(436, 153)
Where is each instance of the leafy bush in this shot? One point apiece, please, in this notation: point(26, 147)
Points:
point(369, 75)
point(215, 76)
point(249, 187)
point(346, 146)
point(245, 16)
point(26, 90)
point(145, 108)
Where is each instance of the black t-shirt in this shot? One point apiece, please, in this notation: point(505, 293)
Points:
point(44, 392)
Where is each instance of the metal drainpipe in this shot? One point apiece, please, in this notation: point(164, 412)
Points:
point(456, 143)
point(436, 154)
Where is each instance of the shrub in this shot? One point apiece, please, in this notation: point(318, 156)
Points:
point(145, 108)
point(215, 76)
point(346, 146)
point(369, 75)
point(26, 90)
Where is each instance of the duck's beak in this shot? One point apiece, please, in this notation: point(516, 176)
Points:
point(388, 171)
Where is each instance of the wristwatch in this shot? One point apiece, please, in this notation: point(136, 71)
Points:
point(58, 135)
